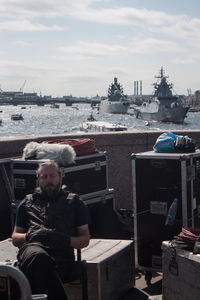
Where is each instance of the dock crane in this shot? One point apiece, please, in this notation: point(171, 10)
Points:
point(22, 87)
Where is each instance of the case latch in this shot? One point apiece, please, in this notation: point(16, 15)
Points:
point(97, 166)
point(190, 173)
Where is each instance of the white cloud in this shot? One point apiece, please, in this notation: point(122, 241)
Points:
point(143, 46)
point(179, 26)
point(125, 16)
point(82, 48)
point(99, 52)
point(23, 43)
point(26, 25)
point(155, 45)
point(120, 36)
point(183, 61)
point(187, 29)
point(38, 8)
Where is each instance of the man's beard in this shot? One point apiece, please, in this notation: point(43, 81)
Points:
point(50, 190)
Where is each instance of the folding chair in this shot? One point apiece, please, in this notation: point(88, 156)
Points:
point(10, 275)
point(80, 274)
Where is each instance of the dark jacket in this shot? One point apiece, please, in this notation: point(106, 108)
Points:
point(57, 213)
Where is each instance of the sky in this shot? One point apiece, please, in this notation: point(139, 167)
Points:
point(77, 47)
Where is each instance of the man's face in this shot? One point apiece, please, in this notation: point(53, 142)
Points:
point(49, 180)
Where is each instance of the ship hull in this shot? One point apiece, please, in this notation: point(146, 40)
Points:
point(163, 106)
point(173, 115)
point(114, 107)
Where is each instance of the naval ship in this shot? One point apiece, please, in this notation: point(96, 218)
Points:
point(116, 102)
point(163, 106)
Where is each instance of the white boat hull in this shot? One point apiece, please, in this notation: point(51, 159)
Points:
point(101, 126)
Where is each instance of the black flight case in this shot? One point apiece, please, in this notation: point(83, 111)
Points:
point(88, 175)
point(157, 179)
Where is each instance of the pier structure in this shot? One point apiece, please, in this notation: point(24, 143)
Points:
point(19, 98)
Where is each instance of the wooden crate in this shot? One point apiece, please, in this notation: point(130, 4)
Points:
point(110, 270)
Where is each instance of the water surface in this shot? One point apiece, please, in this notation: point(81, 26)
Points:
point(42, 120)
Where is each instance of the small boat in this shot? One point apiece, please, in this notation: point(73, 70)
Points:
point(0, 121)
point(75, 107)
point(193, 109)
point(17, 117)
point(117, 102)
point(101, 126)
point(54, 105)
point(163, 106)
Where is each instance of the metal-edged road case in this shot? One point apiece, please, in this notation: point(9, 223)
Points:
point(105, 221)
point(181, 273)
point(101, 208)
point(110, 270)
point(157, 179)
point(86, 176)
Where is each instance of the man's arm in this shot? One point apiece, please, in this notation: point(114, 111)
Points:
point(82, 239)
point(18, 236)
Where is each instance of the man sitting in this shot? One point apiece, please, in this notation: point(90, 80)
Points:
point(50, 223)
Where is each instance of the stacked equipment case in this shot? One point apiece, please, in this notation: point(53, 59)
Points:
point(88, 177)
point(157, 179)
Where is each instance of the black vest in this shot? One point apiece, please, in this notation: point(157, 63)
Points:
point(57, 213)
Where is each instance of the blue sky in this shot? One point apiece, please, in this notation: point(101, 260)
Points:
point(63, 47)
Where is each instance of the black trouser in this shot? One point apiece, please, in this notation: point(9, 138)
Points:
point(42, 271)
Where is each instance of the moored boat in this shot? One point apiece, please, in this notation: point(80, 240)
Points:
point(17, 117)
point(193, 109)
point(163, 106)
point(116, 102)
point(102, 126)
point(54, 105)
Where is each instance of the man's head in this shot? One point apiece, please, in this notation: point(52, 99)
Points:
point(49, 177)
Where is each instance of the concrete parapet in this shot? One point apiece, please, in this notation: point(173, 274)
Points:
point(119, 147)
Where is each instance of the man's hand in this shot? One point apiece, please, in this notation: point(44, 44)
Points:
point(37, 235)
point(48, 237)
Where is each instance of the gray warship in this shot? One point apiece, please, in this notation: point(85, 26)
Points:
point(163, 106)
point(116, 102)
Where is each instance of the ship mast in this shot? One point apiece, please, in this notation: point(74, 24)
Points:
point(163, 88)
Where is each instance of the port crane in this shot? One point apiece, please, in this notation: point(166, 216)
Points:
point(22, 87)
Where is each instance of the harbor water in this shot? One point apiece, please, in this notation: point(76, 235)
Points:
point(45, 120)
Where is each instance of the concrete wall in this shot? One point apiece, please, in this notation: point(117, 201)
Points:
point(119, 147)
